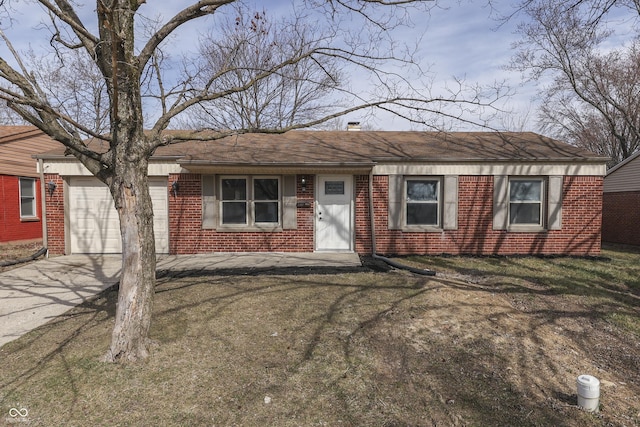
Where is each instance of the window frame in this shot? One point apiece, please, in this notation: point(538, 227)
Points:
point(250, 203)
point(438, 226)
point(542, 202)
point(34, 199)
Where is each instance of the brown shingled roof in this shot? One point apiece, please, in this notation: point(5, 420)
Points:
point(314, 147)
point(367, 148)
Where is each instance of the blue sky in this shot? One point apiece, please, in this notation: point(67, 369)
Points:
point(460, 39)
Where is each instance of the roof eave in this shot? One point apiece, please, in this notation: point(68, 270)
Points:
point(209, 167)
point(379, 160)
point(275, 164)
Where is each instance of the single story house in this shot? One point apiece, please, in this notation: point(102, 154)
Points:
point(20, 185)
point(621, 203)
point(384, 192)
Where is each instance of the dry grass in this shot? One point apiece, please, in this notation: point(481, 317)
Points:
point(15, 251)
point(493, 341)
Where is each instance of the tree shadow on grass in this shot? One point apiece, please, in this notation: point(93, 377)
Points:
point(594, 276)
point(404, 379)
point(342, 345)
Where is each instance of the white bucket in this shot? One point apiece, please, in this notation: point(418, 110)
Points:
point(588, 393)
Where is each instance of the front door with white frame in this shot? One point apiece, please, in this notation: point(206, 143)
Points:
point(334, 213)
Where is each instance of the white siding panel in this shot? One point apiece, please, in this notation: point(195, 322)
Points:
point(488, 168)
point(75, 168)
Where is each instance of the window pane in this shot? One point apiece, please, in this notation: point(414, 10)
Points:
point(334, 188)
point(234, 213)
point(524, 213)
point(266, 211)
point(27, 197)
point(27, 207)
point(234, 189)
point(422, 213)
point(27, 187)
point(422, 191)
point(525, 191)
point(265, 189)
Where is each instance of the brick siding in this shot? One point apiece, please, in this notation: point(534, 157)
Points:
point(186, 235)
point(621, 217)
point(55, 215)
point(12, 227)
point(580, 233)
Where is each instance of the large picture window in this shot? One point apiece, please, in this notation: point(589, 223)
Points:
point(422, 202)
point(250, 201)
point(525, 201)
point(27, 198)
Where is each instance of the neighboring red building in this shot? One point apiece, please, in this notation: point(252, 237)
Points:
point(477, 193)
point(20, 188)
point(621, 203)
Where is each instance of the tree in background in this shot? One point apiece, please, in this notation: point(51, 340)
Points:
point(593, 99)
point(249, 46)
point(126, 48)
point(74, 86)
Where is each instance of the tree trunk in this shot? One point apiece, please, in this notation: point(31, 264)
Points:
point(130, 338)
point(128, 181)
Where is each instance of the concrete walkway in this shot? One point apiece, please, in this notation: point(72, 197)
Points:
point(36, 293)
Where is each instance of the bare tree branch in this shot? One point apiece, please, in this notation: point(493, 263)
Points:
point(591, 87)
point(197, 10)
point(67, 14)
point(128, 82)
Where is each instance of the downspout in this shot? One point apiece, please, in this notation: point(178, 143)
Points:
point(374, 254)
point(43, 196)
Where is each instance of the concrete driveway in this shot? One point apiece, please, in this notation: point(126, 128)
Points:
point(38, 292)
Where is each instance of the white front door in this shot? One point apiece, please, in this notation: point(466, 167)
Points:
point(334, 213)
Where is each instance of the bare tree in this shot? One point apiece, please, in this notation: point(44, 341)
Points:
point(9, 118)
point(249, 44)
point(609, 122)
point(73, 85)
point(129, 58)
point(592, 100)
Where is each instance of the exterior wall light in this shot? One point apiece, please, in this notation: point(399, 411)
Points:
point(51, 187)
point(303, 183)
point(174, 188)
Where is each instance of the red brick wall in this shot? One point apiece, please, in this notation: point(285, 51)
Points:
point(621, 218)
point(580, 234)
point(12, 227)
point(55, 215)
point(363, 217)
point(187, 236)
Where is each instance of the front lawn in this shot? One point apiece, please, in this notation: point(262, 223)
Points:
point(487, 342)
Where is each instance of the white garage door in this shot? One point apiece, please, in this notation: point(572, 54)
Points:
point(93, 221)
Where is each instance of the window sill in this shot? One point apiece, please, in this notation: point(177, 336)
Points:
point(248, 229)
point(526, 229)
point(422, 229)
point(30, 219)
